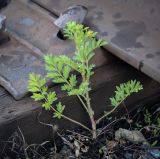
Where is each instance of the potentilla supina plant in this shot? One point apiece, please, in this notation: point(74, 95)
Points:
point(61, 69)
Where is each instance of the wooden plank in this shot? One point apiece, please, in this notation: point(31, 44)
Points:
point(114, 74)
point(24, 113)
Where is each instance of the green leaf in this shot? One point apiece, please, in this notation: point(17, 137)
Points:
point(73, 81)
point(37, 96)
point(51, 97)
point(33, 88)
point(35, 82)
point(59, 110)
point(59, 80)
point(42, 82)
point(44, 90)
point(46, 106)
point(52, 75)
point(66, 72)
point(124, 90)
point(74, 92)
point(83, 88)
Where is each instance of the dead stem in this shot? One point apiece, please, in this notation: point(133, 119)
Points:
point(110, 112)
point(54, 128)
point(73, 121)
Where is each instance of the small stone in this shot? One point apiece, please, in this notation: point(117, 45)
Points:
point(134, 136)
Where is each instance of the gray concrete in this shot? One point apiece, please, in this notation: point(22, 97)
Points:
point(32, 35)
point(131, 28)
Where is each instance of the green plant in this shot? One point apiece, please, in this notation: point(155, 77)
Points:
point(60, 70)
point(152, 125)
point(147, 117)
point(156, 130)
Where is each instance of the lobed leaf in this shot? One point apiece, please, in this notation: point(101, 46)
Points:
point(125, 90)
point(59, 110)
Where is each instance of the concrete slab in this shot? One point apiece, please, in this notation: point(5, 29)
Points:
point(32, 34)
point(131, 27)
point(36, 28)
point(16, 62)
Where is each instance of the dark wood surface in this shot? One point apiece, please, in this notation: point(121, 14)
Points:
point(24, 113)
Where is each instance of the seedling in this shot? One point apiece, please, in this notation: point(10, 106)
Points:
point(61, 70)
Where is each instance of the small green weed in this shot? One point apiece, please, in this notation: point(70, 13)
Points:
point(61, 70)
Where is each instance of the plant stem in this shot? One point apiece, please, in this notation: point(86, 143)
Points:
point(73, 121)
point(77, 95)
point(81, 100)
point(65, 117)
point(106, 114)
point(111, 111)
point(88, 103)
point(91, 115)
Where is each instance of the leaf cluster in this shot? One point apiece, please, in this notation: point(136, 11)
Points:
point(37, 85)
point(85, 41)
point(147, 117)
point(125, 90)
point(60, 68)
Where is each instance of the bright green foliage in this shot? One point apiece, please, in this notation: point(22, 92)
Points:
point(125, 90)
point(61, 70)
point(59, 67)
point(50, 98)
point(36, 85)
point(83, 88)
point(60, 109)
point(85, 42)
point(147, 117)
